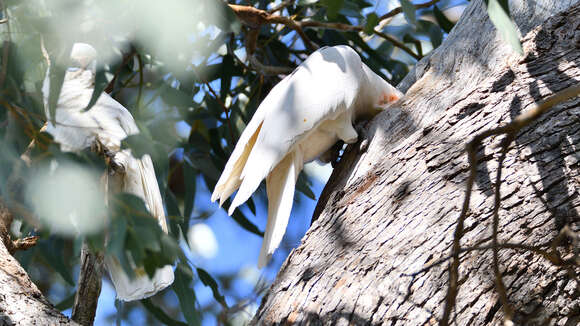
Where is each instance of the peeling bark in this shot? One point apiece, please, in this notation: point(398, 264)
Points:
point(388, 213)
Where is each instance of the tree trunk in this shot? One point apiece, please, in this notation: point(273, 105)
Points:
point(21, 303)
point(377, 252)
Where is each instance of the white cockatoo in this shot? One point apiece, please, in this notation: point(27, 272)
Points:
point(301, 118)
point(107, 122)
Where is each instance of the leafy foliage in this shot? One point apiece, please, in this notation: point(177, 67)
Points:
point(191, 100)
point(499, 13)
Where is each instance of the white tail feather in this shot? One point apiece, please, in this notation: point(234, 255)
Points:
point(230, 180)
point(140, 181)
point(280, 185)
point(141, 286)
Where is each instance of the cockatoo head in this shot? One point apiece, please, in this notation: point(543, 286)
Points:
point(378, 93)
point(83, 56)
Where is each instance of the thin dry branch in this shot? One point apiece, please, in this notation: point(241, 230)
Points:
point(254, 18)
point(510, 130)
point(354, 28)
point(281, 6)
point(499, 284)
point(268, 70)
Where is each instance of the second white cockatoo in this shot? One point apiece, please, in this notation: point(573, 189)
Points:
point(107, 122)
point(301, 118)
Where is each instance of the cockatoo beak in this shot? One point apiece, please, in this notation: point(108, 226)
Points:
point(388, 99)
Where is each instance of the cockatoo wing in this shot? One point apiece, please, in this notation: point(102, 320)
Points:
point(75, 129)
point(109, 122)
point(280, 185)
point(322, 88)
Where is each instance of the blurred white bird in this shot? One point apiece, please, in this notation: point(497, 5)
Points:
point(107, 122)
point(300, 119)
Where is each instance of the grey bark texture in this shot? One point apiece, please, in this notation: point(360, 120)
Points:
point(89, 287)
point(21, 303)
point(389, 213)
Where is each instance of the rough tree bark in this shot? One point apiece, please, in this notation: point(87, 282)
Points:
point(21, 303)
point(376, 252)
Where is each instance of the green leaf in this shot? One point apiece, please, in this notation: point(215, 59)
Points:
point(139, 144)
point(207, 280)
point(101, 83)
point(303, 185)
point(245, 223)
point(409, 11)
point(332, 7)
point(66, 303)
point(408, 38)
point(431, 30)
point(251, 205)
point(498, 11)
point(189, 177)
point(53, 252)
point(371, 21)
point(442, 20)
point(160, 314)
point(227, 67)
point(182, 287)
point(56, 78)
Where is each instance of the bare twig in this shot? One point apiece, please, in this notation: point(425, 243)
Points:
point(280, 6)
point(354, 28)
point(24, 243)
point(268, 70)
point(537, 249)
point(126, 59)
point(6, 46)
point(255, 18)
point(499, 285)
point(511, 130)
point(398, 44)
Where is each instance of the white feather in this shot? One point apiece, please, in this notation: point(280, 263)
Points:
point(301, 118)
point(109, 123)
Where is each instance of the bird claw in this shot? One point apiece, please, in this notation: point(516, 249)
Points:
point(361, 129)
point(364, 145)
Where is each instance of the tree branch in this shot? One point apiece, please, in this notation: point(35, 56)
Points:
point(346, 27)
point(254, 18)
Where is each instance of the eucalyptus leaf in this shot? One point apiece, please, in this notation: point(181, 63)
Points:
point(160, 314)
point(498, 11)
point(207, 280)
point(409, 11)
point(186, 295)
point(101, 83)
point(442, 20)
point(372, 20)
